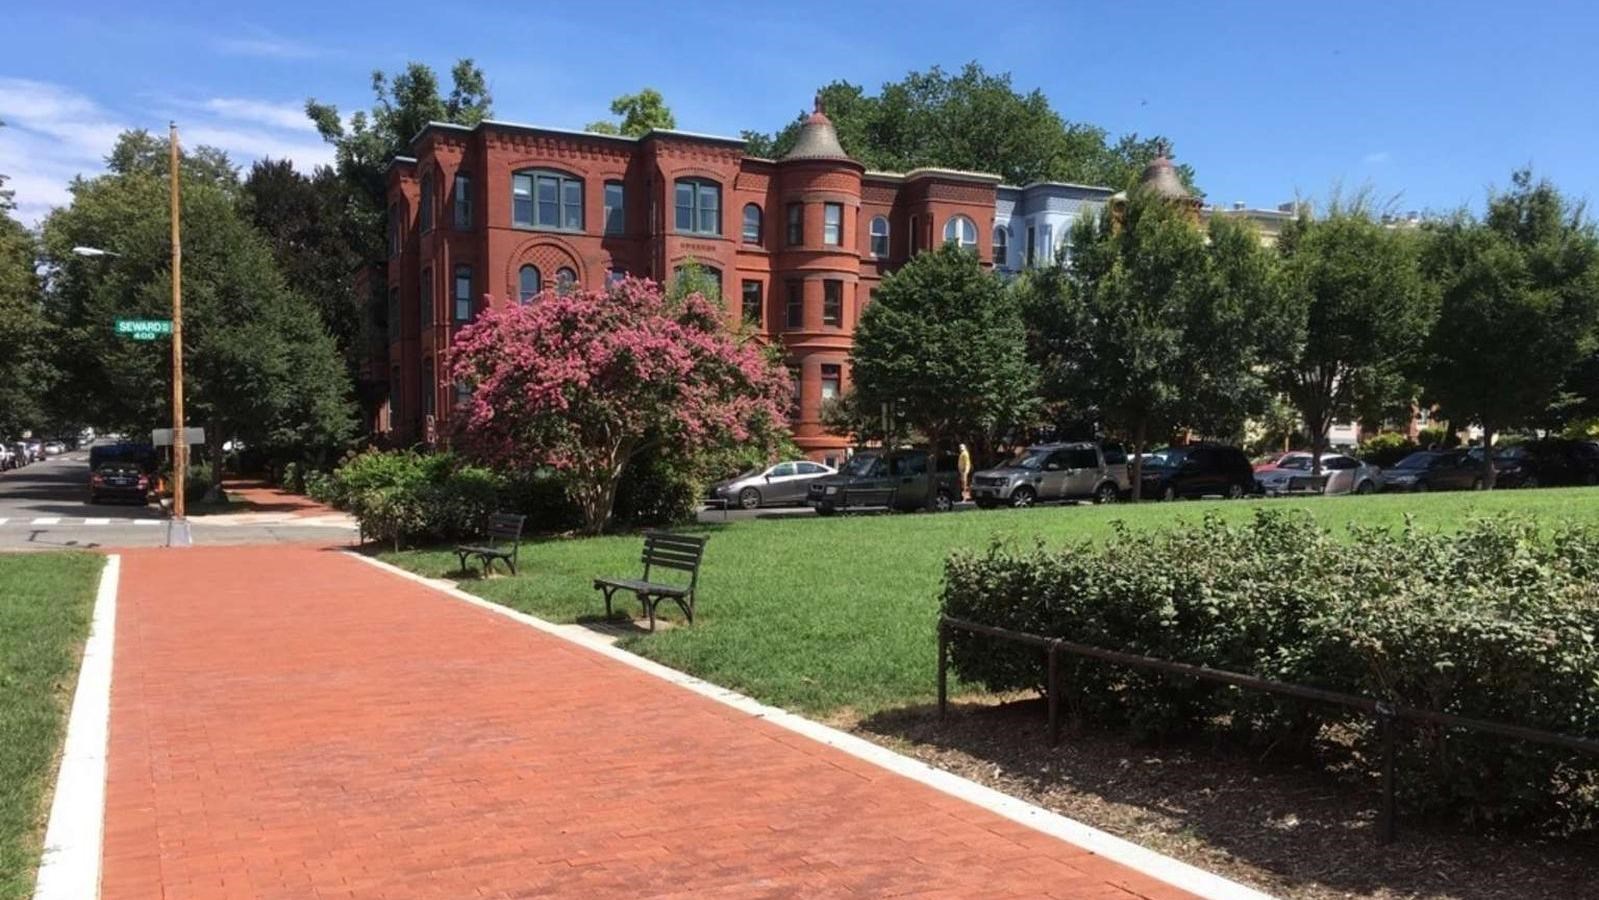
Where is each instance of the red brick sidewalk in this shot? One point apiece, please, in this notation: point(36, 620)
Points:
point(263, 497)
point(290, 722)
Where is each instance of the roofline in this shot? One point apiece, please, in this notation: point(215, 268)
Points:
point(1065, 184)
point(522, 126)
point(399, 161)
point(933, 172)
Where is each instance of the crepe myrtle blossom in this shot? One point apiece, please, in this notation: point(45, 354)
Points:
point(583, 381)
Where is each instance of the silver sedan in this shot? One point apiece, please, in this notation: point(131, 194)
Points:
point(775, 485)
point(1344, 474)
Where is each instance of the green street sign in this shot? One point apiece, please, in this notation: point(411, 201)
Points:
point(144, 329)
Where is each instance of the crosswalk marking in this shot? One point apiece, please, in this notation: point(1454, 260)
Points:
point(97, 521)
point(147, 521)
point(48, 520)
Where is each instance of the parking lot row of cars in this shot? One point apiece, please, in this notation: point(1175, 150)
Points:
point(1102, 472)
point(16, 454)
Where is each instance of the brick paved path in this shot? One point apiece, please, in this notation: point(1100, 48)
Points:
point(290, 722)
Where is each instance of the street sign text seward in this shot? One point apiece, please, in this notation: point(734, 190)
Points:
point(144, 329)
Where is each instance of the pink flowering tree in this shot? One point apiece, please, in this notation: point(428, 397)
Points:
point(586, 381)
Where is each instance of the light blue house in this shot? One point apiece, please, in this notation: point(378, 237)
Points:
point(1034, 222)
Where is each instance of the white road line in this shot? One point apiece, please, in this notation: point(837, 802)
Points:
point(97, 521)
point(48, 520)
point(3, 521)
point(70, 866)
point(146, 521)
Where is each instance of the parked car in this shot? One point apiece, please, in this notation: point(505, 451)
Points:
point(54, 448)
point(119, 480)
point(1272, 460)
point(1343, 474)
point(35, 450)
point(8, 457)
point(142, 455)
point(1198, 470)
point(1045, 472)
point(20, 451)
point(1553, 461)
point(783, 483)
point(893, 479)
point(1434, 470)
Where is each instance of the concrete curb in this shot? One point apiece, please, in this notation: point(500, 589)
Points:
point(70, 866)
point(1171, 871)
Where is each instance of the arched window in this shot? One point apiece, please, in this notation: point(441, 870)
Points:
point(752, 224)
point(528, 284)
point(565, 280)
point(1001, 245)
point(698, 205)
point(880, 236)
point(960, 230)
point(541, 199)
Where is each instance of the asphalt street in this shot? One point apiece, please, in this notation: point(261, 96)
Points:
point(46, 506)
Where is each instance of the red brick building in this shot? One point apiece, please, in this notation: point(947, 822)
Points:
point(499, 212)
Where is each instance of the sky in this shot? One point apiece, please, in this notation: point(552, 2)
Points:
point(1426, 105)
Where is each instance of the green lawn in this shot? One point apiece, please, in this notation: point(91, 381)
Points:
point(45, 603)
point(820, 614)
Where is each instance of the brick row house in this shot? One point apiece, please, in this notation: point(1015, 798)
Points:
point(498, 213)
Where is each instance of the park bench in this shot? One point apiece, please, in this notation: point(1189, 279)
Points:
point(504, 539)
point(661, 551)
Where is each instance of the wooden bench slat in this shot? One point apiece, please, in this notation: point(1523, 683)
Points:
point(662, 550)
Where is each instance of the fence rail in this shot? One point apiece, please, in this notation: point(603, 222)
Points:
point(1385, 714)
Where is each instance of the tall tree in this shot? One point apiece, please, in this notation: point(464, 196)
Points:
point(1519, 307)
point(316, 245)
point(943, 342)
point(25, 373)
point(401, 105)
point(1358, 310)
point(259, 364)
point(969, 120)
point(642, 112)
point(1138, 280)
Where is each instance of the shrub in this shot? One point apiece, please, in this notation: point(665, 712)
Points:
point(319, 486)
point(1385, 449)
point(1497, 622)
point(403, 495)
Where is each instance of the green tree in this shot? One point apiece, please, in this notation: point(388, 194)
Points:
point(316, 246)
point(944, 343)
point(1357, 310)
point(641, 113)
point(25, 373)
point(401, 106)
point(259, 364)
point(1519, 305)
point(970, 120)
point(1138, 282)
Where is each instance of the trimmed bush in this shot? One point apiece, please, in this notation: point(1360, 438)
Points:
point(1385, 449)
point(401, 495)
point(1497, 622)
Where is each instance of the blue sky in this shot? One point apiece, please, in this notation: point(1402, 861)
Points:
point(1426, 102)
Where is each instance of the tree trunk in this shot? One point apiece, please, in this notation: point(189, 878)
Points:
point(1139, 437)
point(1490, 475)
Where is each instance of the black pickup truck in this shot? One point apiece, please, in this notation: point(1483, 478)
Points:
point(892, 479)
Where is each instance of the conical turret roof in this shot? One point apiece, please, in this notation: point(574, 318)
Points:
point(1160, 177)
point(817, 138)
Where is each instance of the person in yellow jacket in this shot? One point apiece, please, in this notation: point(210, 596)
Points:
point(965, 466)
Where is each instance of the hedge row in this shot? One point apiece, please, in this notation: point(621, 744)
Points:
point(1495, 622)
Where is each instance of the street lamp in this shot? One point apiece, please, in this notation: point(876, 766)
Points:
point(93, 252)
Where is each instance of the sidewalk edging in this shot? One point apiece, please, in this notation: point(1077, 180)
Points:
point(69, 868)
point(1148, 862)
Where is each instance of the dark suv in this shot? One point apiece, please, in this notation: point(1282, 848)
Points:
point(1198, 470)
point(893, 479)
point(1553, 461)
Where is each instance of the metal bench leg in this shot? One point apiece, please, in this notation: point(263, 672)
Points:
point(649, 608)
point(686, 604)
point(607, 591)
point(463, 557)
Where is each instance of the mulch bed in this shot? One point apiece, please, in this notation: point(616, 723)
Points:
point(1285, 828)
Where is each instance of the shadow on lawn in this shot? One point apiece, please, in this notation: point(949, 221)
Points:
point(1292, 829)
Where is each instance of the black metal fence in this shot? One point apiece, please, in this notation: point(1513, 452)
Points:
point(1384, 714)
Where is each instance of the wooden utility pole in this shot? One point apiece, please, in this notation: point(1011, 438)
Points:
point(180, 447)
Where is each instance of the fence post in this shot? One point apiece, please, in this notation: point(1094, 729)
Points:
point(943, 667)
point(1054, 693)
point(1386, 825)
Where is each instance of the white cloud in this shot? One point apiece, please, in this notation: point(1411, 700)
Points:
point(53, 134)
point(262, 43)
point(1378, 158)
point(288, 116)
